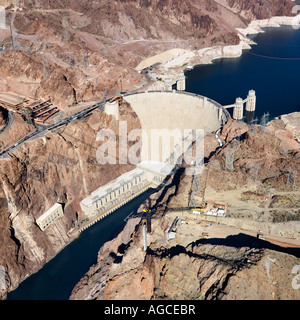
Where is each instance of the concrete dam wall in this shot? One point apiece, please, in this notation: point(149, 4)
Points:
point(175, 110)
point(168, 112)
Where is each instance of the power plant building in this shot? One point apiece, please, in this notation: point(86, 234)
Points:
point(50, 216)
point(129, 185)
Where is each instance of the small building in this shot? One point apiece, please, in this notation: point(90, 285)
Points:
point(50, 216)
point(171, 235)
point(221, 213)
point(126, 187)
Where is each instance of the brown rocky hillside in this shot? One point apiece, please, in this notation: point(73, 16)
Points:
point(74, 51)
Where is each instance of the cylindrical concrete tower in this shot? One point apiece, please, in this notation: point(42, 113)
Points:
point(251, 101)
point(112, 108)
point(181, 83)
point(238, 109)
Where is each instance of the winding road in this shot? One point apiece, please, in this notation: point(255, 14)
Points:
point(10, 120)
point(41, 130)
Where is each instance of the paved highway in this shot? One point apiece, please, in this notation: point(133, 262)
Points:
point(41, 130)
point(10, 119)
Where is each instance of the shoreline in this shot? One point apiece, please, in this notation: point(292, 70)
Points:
point(172, 70)
point(210, 54)
point(235, 51)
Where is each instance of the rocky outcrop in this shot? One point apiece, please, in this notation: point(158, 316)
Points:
point(197, 270)
point(292, 121)
point(269, 8)
point(78, 54)
point(59, 167)
point(235, 266)
point(3, 118)
point(95, 279)
point(75, 52)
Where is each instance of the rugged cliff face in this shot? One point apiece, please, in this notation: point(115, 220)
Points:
point(263, 10)
point(202, 269)
point(59, 167)
point(3, 118)
point(229, 265)
point(76, 51)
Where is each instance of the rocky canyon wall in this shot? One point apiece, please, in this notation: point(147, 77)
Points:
point(59, 167)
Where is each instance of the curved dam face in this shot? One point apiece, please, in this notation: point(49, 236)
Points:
point(169, 113)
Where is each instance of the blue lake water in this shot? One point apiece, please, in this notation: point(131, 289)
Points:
point(271, 68)
point(276, 80)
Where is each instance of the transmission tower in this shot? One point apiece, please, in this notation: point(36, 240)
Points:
point(264, 119)
point(66, 35)
point(229, 159)
point(254, 169)
point(291, 180)
point(285, 151)
point(253, 125)
point(85, 62)
point(194, 189)
point(11, 34)
point(46, 69)
point(236, 142)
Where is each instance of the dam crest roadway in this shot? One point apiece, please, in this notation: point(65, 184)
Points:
point(171, 110)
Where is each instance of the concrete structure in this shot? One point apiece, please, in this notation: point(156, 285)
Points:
point(180, 85)
point(2, 18)
point(238, 106)
point(156, 172)
point(171, 235)
point(112, 108)
point(174, 111)
point(162, 57)
point(251, 101)
point(38, 110)
point(238, 109)
point(169, 114)
point(216, 213)
point(50, 216)
point(118, 192)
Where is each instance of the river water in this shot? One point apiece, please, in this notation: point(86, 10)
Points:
point(58, 277)
point(271, 68)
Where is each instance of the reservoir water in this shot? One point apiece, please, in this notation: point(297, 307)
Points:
point(272, 68)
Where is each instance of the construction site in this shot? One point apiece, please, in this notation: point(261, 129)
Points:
point(34, 110)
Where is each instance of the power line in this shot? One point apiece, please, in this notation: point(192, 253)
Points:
point(229, 159)
point(272, 58)
point(292, 176)
point(253, 125)
point(194, 190)
point(264, 119)
point(254, 169)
